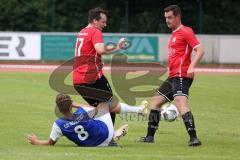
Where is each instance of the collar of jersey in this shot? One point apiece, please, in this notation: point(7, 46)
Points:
point(177, 28)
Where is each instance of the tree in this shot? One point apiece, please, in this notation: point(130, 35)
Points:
point(145, 16)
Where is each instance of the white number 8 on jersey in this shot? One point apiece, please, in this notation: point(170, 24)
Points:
point(82, 134)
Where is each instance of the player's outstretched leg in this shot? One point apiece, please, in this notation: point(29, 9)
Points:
point(125, 108)
point(141, 110)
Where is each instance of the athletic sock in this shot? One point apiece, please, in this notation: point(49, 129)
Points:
point(125, 108)
point(153, 121)
point(189, 124)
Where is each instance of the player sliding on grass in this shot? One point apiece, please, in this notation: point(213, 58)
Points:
point(87, 126)
point(181, 74)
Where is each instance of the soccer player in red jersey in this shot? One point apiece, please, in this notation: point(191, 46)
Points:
point(88, 78)
point(181, 73)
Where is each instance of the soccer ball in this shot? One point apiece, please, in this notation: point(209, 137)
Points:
point(169, 112)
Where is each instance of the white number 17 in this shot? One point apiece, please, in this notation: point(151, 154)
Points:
point(80, 41)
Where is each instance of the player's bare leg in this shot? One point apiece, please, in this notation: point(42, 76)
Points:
point(118, 107)
point(104, 107)
point(181, 103)
point(154, 118)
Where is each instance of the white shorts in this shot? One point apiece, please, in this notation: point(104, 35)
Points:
point(105, 118)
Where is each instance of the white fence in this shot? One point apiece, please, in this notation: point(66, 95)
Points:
point(28, 46)
point(218, 49)
point(20, 46)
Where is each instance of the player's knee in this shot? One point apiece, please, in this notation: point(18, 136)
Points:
point(103, 106)
point(157, 102)
point(181, 103)
point(178, 101)
point(113, 102)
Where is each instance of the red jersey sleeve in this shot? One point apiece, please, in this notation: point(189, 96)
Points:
point(191, 38)
point(97, 37)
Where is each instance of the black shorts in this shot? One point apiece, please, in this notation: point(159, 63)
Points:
point(176, 86)
point(95, 93)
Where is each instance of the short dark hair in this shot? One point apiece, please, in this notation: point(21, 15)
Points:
point(95, 13)
point(63, 102)
point(175, 8)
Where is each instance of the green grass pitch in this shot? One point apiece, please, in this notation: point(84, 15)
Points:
point(27, 105)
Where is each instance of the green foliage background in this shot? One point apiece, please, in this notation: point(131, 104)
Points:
point(144, 16)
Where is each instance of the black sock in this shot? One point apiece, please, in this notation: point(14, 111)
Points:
point(113, 116)
point(189, 124)
point(153, 120)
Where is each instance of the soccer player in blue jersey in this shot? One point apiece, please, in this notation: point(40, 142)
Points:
point(87, 126)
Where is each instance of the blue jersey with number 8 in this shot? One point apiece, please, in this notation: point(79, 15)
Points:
point(82, 130)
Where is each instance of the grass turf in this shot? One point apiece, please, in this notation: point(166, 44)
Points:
point(27, 105)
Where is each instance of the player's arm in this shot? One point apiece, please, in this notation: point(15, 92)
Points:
point(33, 139)
point(194, 43)
point(56, 133)
point(103, 49)
point(78, 105)
point(91, 111)
point(198, 56)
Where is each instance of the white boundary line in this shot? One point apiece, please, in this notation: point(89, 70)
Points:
point(13, 66)
point(107, 68)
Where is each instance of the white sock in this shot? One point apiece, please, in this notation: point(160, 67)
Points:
point(125, 108)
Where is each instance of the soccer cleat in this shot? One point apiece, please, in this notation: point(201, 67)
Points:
point(113, 143)
point(147, 139)
point(120, 132)
point(194, 142)
point(144, 111)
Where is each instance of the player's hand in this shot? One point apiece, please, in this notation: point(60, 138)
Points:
point(190, 72)
point(121, 43)
point(32, 138)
